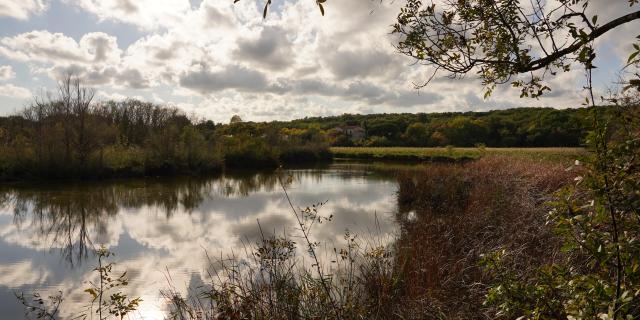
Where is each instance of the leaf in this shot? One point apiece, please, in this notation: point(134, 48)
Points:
point(633, 56)
point(92, 293)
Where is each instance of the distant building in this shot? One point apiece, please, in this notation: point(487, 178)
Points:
point(354, 133)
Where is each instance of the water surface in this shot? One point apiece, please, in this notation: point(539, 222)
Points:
point(161, 229)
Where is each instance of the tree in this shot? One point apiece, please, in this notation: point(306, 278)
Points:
point(235, 119)
point(501, 39)
point(465, 132)
point(417, 134)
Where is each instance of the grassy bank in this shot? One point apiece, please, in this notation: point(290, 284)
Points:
point(453, 154)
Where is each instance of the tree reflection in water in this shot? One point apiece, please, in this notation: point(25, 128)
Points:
point(69, 215)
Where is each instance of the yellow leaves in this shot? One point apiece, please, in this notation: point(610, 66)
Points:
point(92, 292)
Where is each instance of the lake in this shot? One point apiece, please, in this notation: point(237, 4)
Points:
point(161, 230)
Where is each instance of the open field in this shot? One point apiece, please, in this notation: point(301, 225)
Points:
point(456, 154)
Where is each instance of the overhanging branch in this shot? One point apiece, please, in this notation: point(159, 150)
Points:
point(596, 33)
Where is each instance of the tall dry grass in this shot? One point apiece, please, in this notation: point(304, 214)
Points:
point(452, 214)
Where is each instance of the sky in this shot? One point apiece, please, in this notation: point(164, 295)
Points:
point(214, 59)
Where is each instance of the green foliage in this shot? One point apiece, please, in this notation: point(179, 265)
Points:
point(267, 145)
point(249, 152)
point(417, 134)
point(124, 160)
point(522, 127)
point(116, 304)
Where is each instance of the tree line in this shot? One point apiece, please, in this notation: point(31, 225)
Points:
point(521, 127)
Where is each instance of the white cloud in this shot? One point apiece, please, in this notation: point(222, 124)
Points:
point(115, 96)
point(203, 80)
point(364, 63)
point(6, 73)
point(146, 14)
point(11, 91)
point(96, 58)
point(22, 9)
point(270, 49)
point(57, 48)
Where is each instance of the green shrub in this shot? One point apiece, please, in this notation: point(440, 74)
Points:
point(120, 159)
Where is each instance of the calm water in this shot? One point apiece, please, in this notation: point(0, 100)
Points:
point(160, 228)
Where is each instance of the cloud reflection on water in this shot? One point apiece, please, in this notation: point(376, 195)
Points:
point(157, 225)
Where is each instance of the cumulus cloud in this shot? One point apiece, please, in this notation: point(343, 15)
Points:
point(22, 9)
point(11, 91)
point(345, 64)
point(96, 58)
point(6, 73)
point(146, 14)
point(101, 75)
point(357, 91)
point(215, 17)
point(271, 49)
point(204, 80)
point(101, 47)
point(57, 48)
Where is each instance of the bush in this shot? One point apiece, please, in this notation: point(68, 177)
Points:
point(121, 160)
point(250, 153)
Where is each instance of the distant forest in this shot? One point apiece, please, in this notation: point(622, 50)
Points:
point(521, 127)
